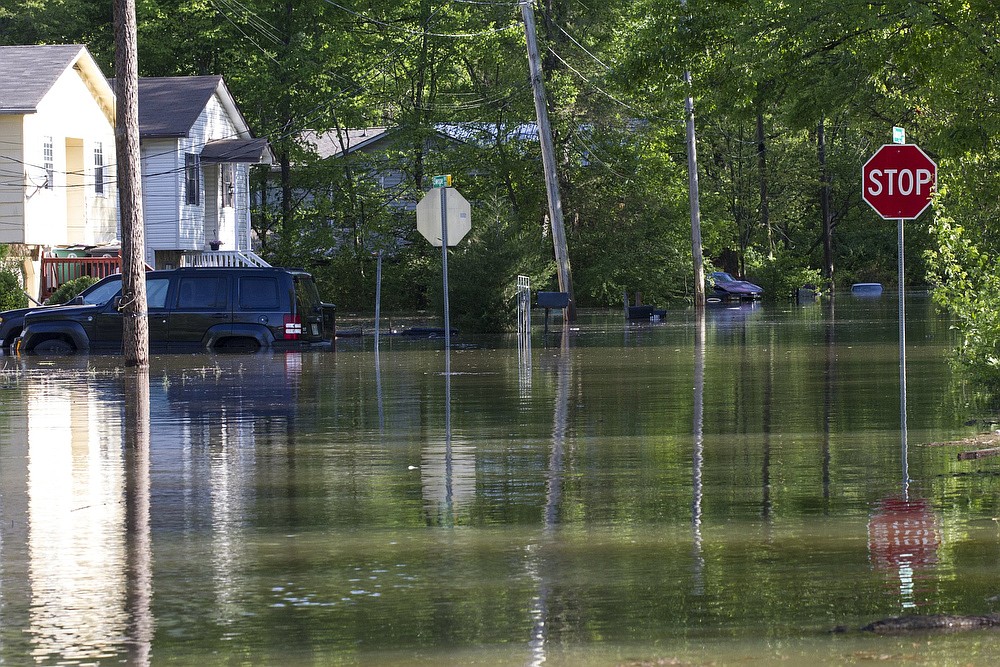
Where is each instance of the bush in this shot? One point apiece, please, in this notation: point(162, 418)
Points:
point(70, 289)
point(782, 276)
point(11, 294)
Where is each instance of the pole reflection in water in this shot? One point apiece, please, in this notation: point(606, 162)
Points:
point(697, 460)
point(448, 468)
point(76, 539)
point(139, 551)
point(904, 534)
point(828, 396)
point(537, 568)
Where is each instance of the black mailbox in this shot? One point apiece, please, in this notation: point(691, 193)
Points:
point(553, 300)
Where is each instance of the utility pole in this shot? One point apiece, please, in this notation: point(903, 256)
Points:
point(693, 197)
point(548, 160)
point(135, 326)
point(824, 201)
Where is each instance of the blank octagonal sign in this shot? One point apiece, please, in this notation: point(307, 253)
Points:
point(429, 216)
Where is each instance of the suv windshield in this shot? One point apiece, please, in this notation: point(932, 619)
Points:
point(102, 292)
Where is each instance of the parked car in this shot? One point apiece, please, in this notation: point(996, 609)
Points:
point(726, 288)
point(192, 309)
point(12, 321)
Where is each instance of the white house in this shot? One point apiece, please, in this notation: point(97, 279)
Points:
point(196, 152)
point(57, 152)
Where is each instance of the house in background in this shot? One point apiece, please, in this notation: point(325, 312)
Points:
point(57, 154)
point(196, 153)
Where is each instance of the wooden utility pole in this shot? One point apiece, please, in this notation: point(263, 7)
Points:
point(548, 160)
point(135, 326)
point(697, 260)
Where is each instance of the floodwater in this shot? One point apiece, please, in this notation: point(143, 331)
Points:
point(724, 492)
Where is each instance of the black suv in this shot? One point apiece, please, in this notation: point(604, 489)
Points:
point(195, 309)
point(12, 321)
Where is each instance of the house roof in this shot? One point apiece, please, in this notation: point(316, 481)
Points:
point(169, 106)
point(254, 151)
point(328, 144)
point(27, 73)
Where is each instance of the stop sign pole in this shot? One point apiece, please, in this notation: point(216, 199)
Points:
point(898, 181)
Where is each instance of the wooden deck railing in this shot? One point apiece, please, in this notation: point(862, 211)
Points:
point(59, 270)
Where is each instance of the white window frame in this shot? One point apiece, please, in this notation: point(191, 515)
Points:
point(99, 170)
point(192, 179)
point(48, 161)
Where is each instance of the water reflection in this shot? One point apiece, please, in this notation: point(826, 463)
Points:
point(139, 562)
point(637, 499)
point(448, 465)
point(540, 563)
point(903, 538)
point(77, 542)
point(698, 456)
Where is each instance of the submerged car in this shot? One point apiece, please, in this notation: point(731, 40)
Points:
point(192, 309)
point(12, 321)
point(724, 287)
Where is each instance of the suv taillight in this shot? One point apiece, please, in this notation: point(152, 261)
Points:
point(293, 327)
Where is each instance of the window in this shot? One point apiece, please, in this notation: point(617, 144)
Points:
point(98, 168)
point(48, 160)
point(156, 292)
point(228, 184)
point(192, 178)
point(202, 293)
point(259, 294)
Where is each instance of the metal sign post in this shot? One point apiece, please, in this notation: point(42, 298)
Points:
point(444, 265)
point(432, 223)
point(898, 181)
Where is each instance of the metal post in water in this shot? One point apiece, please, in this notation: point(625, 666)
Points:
point(444, 266)
point(902, 363)
point(378, 297)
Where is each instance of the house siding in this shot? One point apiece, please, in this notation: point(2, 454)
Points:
point(213, 123)
point(162, 180)
point(12, 179)
point(70, 211)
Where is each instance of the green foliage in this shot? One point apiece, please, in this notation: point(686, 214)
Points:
point(483, 270)
point(70, 289)
point(781, 276)
point(11, 294)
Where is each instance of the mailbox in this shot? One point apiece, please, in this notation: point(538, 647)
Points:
point(553, 300)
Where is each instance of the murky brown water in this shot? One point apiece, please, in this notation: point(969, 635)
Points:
point(626, 494)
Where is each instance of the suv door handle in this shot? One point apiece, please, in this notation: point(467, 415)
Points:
point(220, 316)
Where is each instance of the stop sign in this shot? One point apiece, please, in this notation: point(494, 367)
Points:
point(898, 181)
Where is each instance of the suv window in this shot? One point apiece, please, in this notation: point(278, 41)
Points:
point(156, 292)
point(306, 295)
point(201, 293)
point(259, 293)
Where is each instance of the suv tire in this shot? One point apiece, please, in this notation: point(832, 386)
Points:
point(54, 346)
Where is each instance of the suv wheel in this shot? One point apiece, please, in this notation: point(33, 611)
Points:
point(238, 345)
point(54, 346)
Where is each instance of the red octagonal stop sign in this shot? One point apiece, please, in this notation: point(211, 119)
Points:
point(898, 181)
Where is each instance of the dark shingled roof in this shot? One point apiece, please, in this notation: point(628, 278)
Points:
point(28, 72)
point(235, 150)
point(169, 106)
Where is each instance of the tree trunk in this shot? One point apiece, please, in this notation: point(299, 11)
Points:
point(824, 202)
point(135, 326)
point(765, 205)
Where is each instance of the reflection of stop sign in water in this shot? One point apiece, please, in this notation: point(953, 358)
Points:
point(903, 532)
point(898, 181)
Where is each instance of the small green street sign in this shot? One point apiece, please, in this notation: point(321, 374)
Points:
point(898, 135)
point(443, 181)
